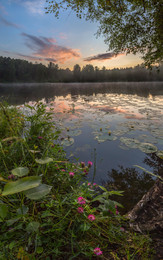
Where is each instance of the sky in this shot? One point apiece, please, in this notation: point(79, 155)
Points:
point(27, 32)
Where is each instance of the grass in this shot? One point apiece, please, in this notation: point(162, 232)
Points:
point(48, 210)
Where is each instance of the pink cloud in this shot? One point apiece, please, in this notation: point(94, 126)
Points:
point(47, 48)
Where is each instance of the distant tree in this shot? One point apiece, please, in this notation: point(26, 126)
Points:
point(129, 26)
point(88, 73)
point(76, 72)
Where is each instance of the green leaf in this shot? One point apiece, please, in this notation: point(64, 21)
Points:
point(44, 161)
point(12, 244)
point(38, 192)
point(157, 176)
point(33, 227)
point(23, 184)
point(20, 171)
point(85, 226)
point(47, 214)
point(39, 250)
point(23, 210)
point(10, 222)
point(3, 211)
point(102, 188)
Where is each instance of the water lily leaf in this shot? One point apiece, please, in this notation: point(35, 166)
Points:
point(23, 184)
point(44, 161)
point(130, 142)
point(20, 171)
point(33, 227)
point(119, 132)
point(67, 142)
point(147, 148)
point(38, 192)
point(103, 138)
point(75, 132)
point(160, 154)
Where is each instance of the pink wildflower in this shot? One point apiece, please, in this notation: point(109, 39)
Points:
point(80, 210)
point(90, 164)
point(11, 176)
point(63, 170)
point(97, 251)
point(40, 137)
point(81, 200)
point(122, 229)
point(82, 164)
point(91, 217)
point(71, 174)
point(89, 183)
point(117, 212)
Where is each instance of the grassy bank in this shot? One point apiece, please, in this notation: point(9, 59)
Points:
point(48, 210)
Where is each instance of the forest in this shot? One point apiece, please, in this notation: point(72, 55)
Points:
point(17, 70)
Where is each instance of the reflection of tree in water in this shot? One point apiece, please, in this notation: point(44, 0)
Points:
point(134, 183)
point(154, 162)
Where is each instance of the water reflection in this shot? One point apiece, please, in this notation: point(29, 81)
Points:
point(24, 92)
point(121, 122)
point(134, 183)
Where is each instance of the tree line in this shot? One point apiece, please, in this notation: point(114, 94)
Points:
point(17, 70)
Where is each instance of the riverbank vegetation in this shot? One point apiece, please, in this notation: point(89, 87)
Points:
point(17, 70)
point(48, 209)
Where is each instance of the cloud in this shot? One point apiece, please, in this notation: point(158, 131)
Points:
point(29, 57)
point(7, 23)
point(103, 56)
point(46, 48)
point(35, 6)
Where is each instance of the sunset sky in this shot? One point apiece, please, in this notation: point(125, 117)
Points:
point(28, 33)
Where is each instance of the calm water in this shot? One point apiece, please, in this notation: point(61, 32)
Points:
point(115, 125)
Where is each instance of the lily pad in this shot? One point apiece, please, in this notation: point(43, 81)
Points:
point(75, 132)
point(130, 142)
point(103, 138)
point(67, 141)
point(147, 139)
point(147, 148)
point(160, 154)
point(119, 132)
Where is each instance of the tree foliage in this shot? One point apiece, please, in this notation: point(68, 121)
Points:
point(16, 70)
point(130, 26)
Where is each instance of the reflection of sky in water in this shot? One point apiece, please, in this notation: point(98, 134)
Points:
point(109, 130)
point(122, 115)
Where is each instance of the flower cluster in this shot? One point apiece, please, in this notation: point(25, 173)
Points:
point(97, 251)
point(80, 210)
point(81, 200)
point(91, 217)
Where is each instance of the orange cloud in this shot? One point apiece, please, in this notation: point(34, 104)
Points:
point(46, 48)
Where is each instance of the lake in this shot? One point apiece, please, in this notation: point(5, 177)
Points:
point(114, 125)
